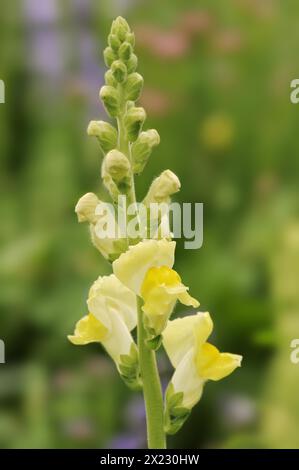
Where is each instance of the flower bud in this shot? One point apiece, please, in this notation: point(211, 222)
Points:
point(130, 105)
point(109, 97)
point(134, 120)
point(132, 63)
point(134, 86)
point(109, 56)
point(142, 148)
point(105, 133)
point(109, 79)
point(120, 28)
point(116, 173)
point(119, 71)
point(125, 51)
point(130, 38)
point(85, 208)
point(117, 165)
point(162, 188)
point(114, 42)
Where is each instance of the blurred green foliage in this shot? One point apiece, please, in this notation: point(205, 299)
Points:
point(217, 75)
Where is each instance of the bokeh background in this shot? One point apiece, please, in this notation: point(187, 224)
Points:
point(217, 76)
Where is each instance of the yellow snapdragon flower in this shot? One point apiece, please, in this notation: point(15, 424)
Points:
point(146, 269)
point(195, 360)
point(112, 316)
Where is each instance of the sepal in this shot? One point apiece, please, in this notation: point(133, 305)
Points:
point(175, 414)
point(129, 369)
point(154, 343)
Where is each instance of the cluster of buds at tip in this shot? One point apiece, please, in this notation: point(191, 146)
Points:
point(126, 149)
point(121, 78)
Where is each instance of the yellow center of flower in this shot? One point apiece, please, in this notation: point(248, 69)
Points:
point(159, 276)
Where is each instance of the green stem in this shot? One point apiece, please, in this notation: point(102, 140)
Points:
point(124, 147)
point(151, 389)
point(147, 358)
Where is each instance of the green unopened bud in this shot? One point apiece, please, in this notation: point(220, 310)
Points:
point(114, 42)
point(130, 38)
point(109, 96)
point(142, 148)
point(162, 188)
point(85, 208)
point(134, 86)
point(119, 71)
point(125, 51)
point(109, 56)
point(116, 173)
point(117, 165)
point(130, 105)
point(120, 28)
point(105, 133)
point(132, 63)
point(134, 120)
point(109, 79)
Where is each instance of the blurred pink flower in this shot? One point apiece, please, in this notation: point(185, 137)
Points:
point(195, 23)
point(163, 44)
point(156, 102)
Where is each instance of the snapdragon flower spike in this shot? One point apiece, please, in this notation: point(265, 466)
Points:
point(196, 361)
point(112, 316)
point(146, 269)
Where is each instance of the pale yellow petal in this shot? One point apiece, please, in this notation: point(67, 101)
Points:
point(119, 341)
point(185, 333)
point(186, 379)
point(107, 295)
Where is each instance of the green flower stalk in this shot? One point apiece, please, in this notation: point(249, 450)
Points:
point(143, 289)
